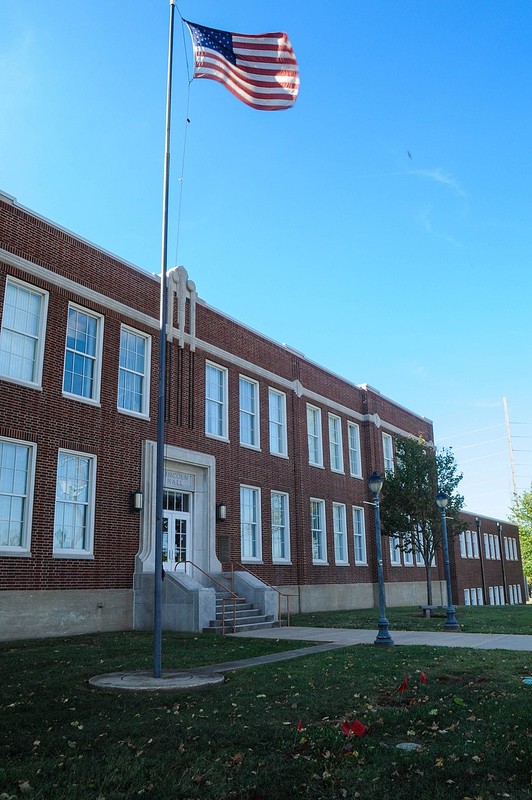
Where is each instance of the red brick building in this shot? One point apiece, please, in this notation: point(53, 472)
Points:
point(486, 563)
point(284, 446)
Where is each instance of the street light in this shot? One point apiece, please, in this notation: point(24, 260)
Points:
point(451, 623)
point(375, 485)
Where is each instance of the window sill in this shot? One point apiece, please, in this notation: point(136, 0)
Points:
point(216, 437)
point(26, 384)
point(79, 399)
point(12, 553)
point(254, 447)
point(135, 414)
point(73, 556)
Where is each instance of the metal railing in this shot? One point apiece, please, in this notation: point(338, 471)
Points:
point(280, 594)
point(234, 599)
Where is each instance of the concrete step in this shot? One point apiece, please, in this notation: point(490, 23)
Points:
point(240, 628)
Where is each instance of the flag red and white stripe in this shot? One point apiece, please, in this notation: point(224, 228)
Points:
point(259, 69)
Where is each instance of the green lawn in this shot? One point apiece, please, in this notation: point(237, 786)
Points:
point(473, 619)
point(62, 741)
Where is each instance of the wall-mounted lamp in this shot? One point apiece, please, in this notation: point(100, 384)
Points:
point(136, 500)
point(221, 512)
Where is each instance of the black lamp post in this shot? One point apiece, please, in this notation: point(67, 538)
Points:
point(451, 623)
point(375, 485)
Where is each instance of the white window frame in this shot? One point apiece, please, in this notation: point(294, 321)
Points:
point(487, 545)
point(341, 555)
point(497, 548)
point(492, 546)
point(319, 533)
point(359, 533)
point(463, 550)
point(37, 340)
point(408, 557)
point(336, 450)
point(467, 597)
point(355, 455)
point(254, 492)
point(491, 594)
point(314, 436)
point(277, 427)
point(501, 595)
point(420, 561)
point(480, 596)
point(251, 413)
point(395, 551)
point(283, 529)
point(221, 404)
point(506, 550)
point(387, 453)
point(519, 595)
point(27, 500)
point(144, 376)
point(469, 544)
point(95, 357)
point(474, 597)
point(474, 541)
point(514, 549)
point(89, 506)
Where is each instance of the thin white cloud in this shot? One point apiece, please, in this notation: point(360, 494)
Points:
point(426, 222)
point(439, 176)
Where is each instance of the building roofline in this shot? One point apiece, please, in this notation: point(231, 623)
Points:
point(7, 198)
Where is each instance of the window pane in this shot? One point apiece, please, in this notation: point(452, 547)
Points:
point(14, 468)
point(19, 336)
point(131, 374)
point(80, 354)
point(72, 502)
point(279, 526)
point(249, 533)
point(248, 412)
point(215, 400)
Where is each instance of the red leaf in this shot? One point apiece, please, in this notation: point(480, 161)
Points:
point(358, 728)
point(300, 726)
point(422, 677)
point(403, 687)
point(346, 728)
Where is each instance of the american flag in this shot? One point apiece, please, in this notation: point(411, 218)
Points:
point(259, 69)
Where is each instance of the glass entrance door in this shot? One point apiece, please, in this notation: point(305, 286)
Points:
point(176, 529)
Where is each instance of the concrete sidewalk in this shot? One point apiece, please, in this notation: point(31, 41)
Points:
point(346, 637)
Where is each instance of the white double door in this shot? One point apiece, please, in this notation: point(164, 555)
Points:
point(176, 540)
point(177, 531)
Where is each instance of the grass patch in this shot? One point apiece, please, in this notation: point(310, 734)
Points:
point(473, 619)
point(62, 741)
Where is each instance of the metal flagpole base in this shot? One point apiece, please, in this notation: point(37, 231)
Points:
point(383, 636)
point(451, 623)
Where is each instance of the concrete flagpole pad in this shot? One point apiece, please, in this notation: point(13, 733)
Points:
point(144, 681)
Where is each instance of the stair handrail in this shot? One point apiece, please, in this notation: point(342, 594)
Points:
point(275, 589)
point(233, 599)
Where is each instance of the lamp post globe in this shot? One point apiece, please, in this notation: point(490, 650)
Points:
point(451, 623)
point(375, 483)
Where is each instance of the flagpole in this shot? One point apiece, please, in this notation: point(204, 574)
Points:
point(158, 577)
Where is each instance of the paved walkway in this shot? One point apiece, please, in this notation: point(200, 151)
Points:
point(346, 637)
point(326, 639)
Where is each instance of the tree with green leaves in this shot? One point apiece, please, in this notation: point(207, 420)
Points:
point(408, 509)
point(521, 514)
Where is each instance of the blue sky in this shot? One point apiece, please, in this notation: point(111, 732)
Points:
point(382, 226)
